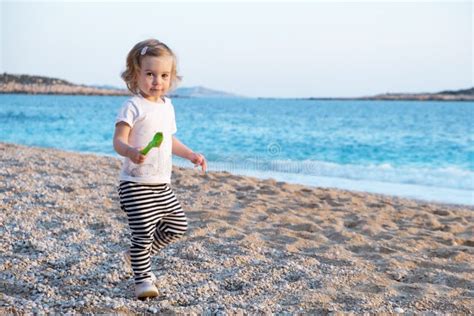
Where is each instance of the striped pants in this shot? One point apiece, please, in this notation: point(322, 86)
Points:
point(155, 218)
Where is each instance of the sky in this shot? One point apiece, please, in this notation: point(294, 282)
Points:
point(254, 49)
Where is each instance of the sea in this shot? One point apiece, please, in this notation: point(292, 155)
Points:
point(416, 149)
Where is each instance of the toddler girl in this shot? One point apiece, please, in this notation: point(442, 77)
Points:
point(155, 217)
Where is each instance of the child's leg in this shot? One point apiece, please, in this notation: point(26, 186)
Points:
point(170, 227)
point(167, 231)
point(144, 208)
point(140, 257)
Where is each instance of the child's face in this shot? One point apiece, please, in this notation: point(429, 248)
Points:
point(154, 76)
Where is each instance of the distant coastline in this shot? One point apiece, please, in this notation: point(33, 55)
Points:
point(27, 84)
point(456, 95)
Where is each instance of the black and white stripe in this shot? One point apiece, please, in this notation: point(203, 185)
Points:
point(155, 218)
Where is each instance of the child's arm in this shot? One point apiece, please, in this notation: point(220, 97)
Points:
point(122, 131)
point(183, 151)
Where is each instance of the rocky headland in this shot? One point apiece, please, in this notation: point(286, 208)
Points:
point(458, 95)
point(10, 83)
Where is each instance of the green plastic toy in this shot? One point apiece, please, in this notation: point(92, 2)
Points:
point(155, 142)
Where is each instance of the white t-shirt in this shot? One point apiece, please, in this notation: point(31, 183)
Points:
point(145, 119)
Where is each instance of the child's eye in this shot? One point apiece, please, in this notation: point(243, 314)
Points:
point(164, 76)
point(149, 74)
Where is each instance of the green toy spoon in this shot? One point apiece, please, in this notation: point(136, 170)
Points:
point(155, 142)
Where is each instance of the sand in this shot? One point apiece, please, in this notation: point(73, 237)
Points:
point(253, 246)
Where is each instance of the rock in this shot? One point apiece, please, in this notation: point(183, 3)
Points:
point(398, 310)
point(153, 310)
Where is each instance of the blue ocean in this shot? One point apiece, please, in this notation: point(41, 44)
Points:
point(422, 150)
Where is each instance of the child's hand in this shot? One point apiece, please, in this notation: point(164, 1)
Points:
point(135, 156)
point(198, 160)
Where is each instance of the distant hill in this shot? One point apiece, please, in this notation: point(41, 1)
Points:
point(456, 95)
point(459, 92)
point(201, 92)
point(10, 83)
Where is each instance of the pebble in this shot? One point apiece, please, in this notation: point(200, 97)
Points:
point(153, 310)
point(398, 310)
point(62, 251)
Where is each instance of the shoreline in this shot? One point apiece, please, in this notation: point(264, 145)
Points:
point(253, 246)
point(336, 183)
point(424, 193)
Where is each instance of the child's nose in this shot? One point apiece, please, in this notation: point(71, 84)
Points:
point(156, 80)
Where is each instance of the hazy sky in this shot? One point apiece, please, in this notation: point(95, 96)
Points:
point(271, 49)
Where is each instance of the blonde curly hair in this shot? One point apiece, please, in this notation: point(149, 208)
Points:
point(153, 48)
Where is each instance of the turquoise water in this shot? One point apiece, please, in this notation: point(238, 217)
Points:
point(423, 150)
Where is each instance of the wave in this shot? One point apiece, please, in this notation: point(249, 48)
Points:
point(445, 177)
point(447, 184)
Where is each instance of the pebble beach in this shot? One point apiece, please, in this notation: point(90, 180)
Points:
point(253, 246)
